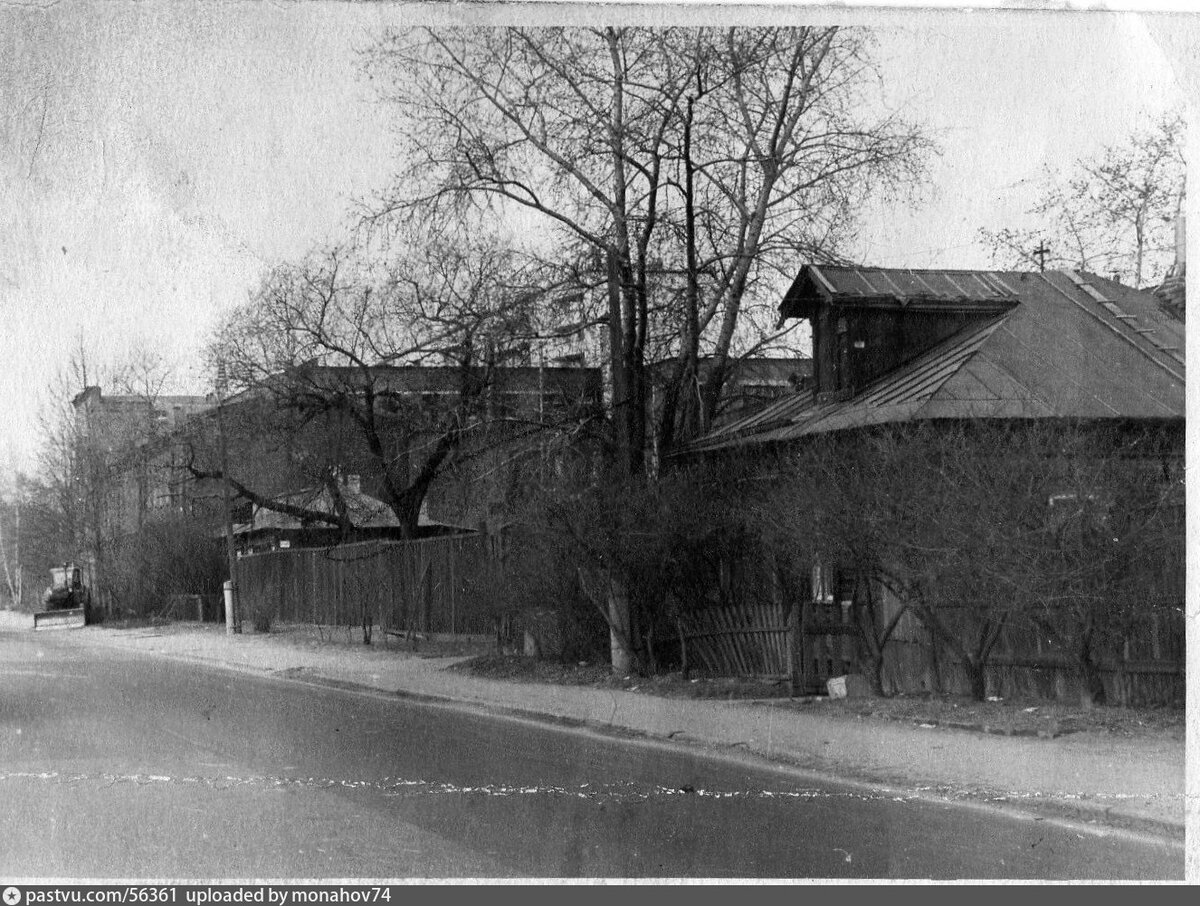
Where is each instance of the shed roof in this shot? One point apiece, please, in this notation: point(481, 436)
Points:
point(364, 510)
point(1065, 345)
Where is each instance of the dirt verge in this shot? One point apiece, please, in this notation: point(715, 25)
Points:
point(1016, 717)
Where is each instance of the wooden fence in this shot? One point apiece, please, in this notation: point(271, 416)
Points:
point(817, 640)
point(419, 586)
point(911, 666)
point(743, 641)
point(809, 643)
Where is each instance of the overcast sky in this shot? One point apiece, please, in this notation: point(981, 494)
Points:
point(156, 158)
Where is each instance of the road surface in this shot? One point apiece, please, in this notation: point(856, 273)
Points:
point(114, 764)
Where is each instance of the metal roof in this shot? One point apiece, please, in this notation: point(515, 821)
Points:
point(1069, 345)
point(912, 284)
point(937, 289)
point(364, 510)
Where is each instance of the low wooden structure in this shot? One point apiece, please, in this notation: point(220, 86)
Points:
point(399, 586)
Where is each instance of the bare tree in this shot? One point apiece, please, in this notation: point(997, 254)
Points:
point(683, 171)
point(88, 458)
point(1112, 560)
point(1112, 215)
point(981, 529)
point(74, 478)
point(643, 555)
point(146, 375)
point(37, 533)
point(10, 542)
point(322, 353)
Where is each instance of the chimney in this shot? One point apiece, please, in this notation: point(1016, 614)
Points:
point(354, 484)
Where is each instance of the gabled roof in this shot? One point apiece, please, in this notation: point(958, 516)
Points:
point(1065, 345)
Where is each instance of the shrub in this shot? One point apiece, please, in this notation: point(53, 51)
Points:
point(170, 554)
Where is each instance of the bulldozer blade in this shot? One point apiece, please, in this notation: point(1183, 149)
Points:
point(60, 619)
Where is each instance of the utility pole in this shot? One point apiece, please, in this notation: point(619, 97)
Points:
point(233, 619)
point(541, 412)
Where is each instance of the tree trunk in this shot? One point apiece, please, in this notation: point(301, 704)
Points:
point(976, 677)
point(608, 595)
point(622, 378)
point(874, 640)
point(620, 630)
point(875, 674)
point(1091, 690)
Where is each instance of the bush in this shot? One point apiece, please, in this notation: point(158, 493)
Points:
point(531, 576)
point(667, 546)
point(170, 555)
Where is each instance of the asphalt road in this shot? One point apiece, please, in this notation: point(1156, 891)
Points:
point(131, 766)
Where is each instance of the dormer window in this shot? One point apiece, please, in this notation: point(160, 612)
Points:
point(867, 322)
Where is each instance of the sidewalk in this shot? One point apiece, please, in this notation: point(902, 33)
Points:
point(1127, 783)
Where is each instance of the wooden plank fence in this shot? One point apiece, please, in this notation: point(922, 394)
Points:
point(819, 640)
point(741, 641)
point(772, 640)
point(404, 586)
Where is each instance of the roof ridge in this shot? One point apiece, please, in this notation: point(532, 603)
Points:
point(919, 270)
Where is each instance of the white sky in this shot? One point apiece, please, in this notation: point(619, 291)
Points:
point(155, 158)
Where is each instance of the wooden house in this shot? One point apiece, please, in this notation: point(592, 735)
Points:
point(899, 347)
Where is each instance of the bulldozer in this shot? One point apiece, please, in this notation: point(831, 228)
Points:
point(67, 602)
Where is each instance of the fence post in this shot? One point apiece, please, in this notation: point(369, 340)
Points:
point(453, 590)
point(796, 647)
point(229, 615)
point(683, 652)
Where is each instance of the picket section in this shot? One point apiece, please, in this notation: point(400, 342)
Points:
point(739, 641)
point(413, 586)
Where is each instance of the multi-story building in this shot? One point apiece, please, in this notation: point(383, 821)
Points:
point(295, 431)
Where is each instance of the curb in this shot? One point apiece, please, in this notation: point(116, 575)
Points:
point(1038, 809)
point(1091, 817)
point(1085, 816)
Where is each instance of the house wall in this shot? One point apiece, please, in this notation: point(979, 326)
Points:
point(854, 346)
point(1142, 663)
point(891, 338)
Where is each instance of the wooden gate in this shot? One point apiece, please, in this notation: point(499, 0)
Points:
point(829, 645)
point(809, 640)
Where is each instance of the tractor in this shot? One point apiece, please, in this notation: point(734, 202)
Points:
point(67, 602)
